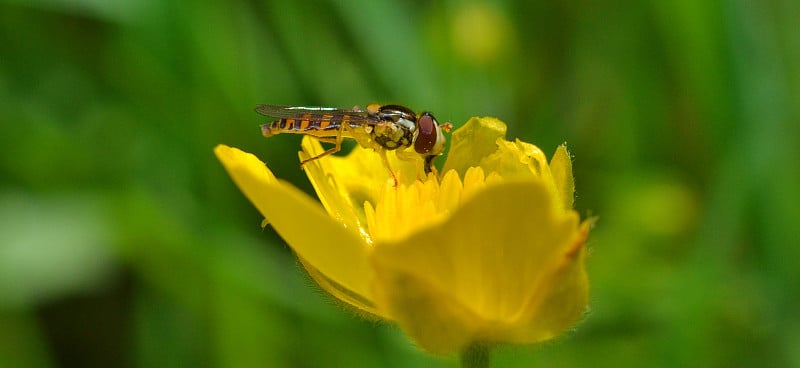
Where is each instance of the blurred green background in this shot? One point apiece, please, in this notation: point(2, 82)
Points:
point(124, 243)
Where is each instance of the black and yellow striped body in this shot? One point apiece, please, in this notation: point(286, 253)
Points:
point(326, 125)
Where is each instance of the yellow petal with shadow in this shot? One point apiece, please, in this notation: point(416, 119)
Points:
point(563, 295)
point(472, 142)
point(319, 240)
point(478, 275)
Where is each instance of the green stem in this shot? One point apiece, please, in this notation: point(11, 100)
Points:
point(475, 356)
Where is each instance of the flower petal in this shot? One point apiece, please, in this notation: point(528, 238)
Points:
point(341, 187)
point(363, 307)
point(472, 142)
point(563, 297)
point(515, 160)
point(337, 252)
point(475, 277)
point(561, 167)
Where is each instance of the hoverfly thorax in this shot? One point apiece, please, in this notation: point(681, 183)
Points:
point(396, 128)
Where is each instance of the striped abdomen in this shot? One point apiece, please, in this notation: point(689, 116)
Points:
point(317, 125)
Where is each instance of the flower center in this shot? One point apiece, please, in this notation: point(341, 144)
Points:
point(405, 209)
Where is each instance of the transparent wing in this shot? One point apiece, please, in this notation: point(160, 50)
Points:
point(279, 111)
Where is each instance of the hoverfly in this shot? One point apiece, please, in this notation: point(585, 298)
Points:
point(380, 127)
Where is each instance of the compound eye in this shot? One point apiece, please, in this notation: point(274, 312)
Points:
point(426, 133)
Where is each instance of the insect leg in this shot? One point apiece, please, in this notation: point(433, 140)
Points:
point(338, 146)
point(385, 159)
point(429, 167)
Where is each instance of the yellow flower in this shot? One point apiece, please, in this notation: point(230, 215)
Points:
point(491, 252)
